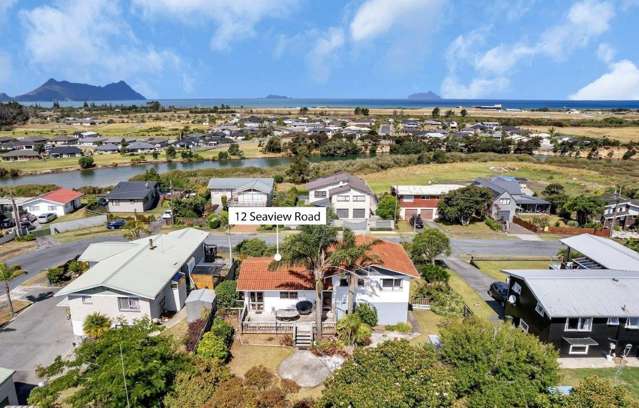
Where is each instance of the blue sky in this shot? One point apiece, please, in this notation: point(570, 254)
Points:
point(536, 49)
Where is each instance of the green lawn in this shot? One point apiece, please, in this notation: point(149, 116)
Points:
point(628, 377)
point(428, 324)
point(476, 230)
point(475, 303)
point(493, 268)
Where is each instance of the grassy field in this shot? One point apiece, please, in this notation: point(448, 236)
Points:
point(575, 180)
point(472, 299)
point(476, 230)
point(5, 312)
point(629, 377)
point(623, 134)
point(428, 324)
point(493, 268)
point(15, 248)
point(84, 233)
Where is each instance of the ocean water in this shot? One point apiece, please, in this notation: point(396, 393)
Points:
point(296, 103)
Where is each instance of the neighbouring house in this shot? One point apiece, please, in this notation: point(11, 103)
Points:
point(8, 396)
point(140, 147)
point(584, 313)
point(588, 251)
point(107, 148)
point(63, 140)
point(18, 155)
point(242, 192)
point(348, 196)
point(60, 152)
point(270, 296)
point(60, 202)
point(133, 196)
point(420, 200)
point(622, 212)
point(148, 277)
point(511, 196)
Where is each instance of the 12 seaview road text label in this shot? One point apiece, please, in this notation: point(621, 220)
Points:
point(277, 215)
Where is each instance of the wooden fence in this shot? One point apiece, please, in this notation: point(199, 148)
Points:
point(561, 230)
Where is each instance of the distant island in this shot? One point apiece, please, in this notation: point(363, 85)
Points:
point(4, 97)
point(272, 96)
point(425, 96)
point(53, 90)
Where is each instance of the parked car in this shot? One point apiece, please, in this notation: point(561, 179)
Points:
point(116, 224)
point(7, 223)
point(26, 225)
point(167, 214)
point(416, 221)
point(28, 217)
point(498, 291)
point(46, 217)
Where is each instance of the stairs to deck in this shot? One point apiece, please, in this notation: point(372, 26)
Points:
point(303, 336)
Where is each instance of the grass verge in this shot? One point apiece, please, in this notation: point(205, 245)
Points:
point(629, 377)
point(493, 268)
point(5, 312)
point(475, 303)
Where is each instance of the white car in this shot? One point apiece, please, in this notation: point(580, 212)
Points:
point(46, 217)
point(167, 214)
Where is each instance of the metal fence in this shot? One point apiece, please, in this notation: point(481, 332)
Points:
point(78, 224)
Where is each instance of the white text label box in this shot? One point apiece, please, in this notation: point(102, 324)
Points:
point(277, 216)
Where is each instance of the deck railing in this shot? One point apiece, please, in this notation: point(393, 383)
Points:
point(277, 327)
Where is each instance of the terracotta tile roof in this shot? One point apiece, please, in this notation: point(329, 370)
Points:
point(61, 195)
point(420, 203)
point(255, 275)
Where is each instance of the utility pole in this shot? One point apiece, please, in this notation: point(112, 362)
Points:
point(16, 216)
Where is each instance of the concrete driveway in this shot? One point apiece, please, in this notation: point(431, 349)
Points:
point(35, 337)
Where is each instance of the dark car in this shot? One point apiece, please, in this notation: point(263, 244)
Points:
point(498, 291)
point(116, 224)
point(416, 221)
point(7, 223)
point(26, 225)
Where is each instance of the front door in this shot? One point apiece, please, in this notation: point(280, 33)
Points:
point(327, 300)
point(256, 301)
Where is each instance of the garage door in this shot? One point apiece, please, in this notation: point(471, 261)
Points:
point(409, 213)
point(427, 214)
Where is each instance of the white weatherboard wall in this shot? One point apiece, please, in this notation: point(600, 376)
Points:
point(272, 301)
point(39, 206)
point(8, 392)
point(126, 206)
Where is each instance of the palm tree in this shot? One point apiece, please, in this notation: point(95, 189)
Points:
point(96, 324)
point(134, 229)
point(7, 274)
point(310, 249)
point(350, 256)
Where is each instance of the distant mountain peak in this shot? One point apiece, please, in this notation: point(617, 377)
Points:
point(54, 90)
point(425, 96)
point(4, 97)
point(274, 96)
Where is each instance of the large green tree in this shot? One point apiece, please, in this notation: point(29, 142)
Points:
point(498, 365)
point(556, 195)
point(585, 207)
point(95, 375)
point(598, 392)
point(428, 245)
point(387, 207)
point(464, 205)
point(393, 374)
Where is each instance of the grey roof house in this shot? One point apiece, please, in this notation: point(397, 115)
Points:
point(593, 252)
point(133, 196)
point(348, 196)
point(64, 151)
point(241, 191)
point(510, 197)
point(130, 280)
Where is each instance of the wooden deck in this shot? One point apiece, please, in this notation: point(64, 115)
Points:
point(262, 323)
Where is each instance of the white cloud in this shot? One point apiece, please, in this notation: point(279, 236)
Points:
point(605, 53)
point(377, 17)
point(233, 19)
point(89, 41)
point(320, 58)
point(584, 21)
point(620, 83)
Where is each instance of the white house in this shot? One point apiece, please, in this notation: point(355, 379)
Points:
point(347, 195)
point(60, 202)
point(421, 200)
point(132, 280)
point(242, 192)
point(385, 285)
point(133, 196)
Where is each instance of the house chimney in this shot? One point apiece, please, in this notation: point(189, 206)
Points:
point(151, 246)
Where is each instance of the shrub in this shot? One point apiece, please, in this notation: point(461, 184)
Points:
point(363, 335)
point(327, 347)
point(400, 327)
point(214, 221)
point(434, 273)
point(86, 162)
point(278, 178)
point(95, 325)
point(55, 275)
point(289, 386)
point(259, 377)
point(492, 224)
point(254, 247)
point(224, 330)
point(193, 334)
point(352, 330)
point(367, 314)
point(225, 294)
point(213, 346)
point(28, 237)
point(286, 340)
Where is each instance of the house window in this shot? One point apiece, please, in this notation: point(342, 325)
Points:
point(539, 309)
point(578, 349)
point(127, 304)
point(343, 198)
point(632, 323)
point(504, 201)
point(343, 282)
point(319, 194)
point(581, 324)
point(613, 321)
point(516, 288)
point(52, 208)
point(87, 300)
point(360, 282)
point(341, 212)
point(523, 325)
point(392, 284)
point(359, 198)
point(288, 295)
point(359, 213)
point(408, 198)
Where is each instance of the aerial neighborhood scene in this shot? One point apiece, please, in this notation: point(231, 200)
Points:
point(262, 204)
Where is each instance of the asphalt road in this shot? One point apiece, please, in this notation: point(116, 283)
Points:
point(504, 247)
point(44, 258)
